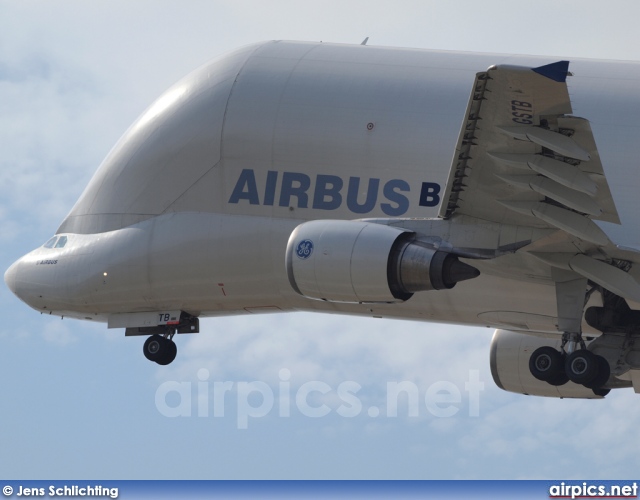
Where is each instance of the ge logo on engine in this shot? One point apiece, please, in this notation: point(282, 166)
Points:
point(304, 249)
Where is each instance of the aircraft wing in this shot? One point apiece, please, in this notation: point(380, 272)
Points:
point(522, 159)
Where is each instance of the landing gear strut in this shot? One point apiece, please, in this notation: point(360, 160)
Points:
point(160, 349)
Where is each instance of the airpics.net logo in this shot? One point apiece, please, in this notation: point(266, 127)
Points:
point(588, 490)
point(314, 399)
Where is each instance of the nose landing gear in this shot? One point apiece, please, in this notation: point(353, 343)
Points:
point(160, 349)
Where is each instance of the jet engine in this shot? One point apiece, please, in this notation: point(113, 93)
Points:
point(510, 354)
point(358, 261)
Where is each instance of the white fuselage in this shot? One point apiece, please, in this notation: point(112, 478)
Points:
point(193, 208)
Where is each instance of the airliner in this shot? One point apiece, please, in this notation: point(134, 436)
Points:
point(478, 189)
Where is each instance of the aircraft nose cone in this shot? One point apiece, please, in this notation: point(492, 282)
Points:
point(10, 276)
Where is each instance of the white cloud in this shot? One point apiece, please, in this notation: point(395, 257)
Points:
point(59, 333)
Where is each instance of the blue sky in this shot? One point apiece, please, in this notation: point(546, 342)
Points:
point(79, 401)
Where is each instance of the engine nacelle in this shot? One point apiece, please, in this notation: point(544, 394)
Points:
point(358, 261)
point(510, 353)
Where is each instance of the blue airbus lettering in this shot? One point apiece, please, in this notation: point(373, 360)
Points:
point(330, 192)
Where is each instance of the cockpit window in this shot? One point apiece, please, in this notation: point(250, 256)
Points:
point(56, 242)
point(62, 241)
point(50, 243)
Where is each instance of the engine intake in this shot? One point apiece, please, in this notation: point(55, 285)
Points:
point(357, 261)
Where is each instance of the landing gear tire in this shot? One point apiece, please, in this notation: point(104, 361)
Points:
point(547, 364)
point(160, 349)
point(582, 367)
point(560, 378)
point(604, 371)
point(601, 391)
point(169, 353)
point(153, 347)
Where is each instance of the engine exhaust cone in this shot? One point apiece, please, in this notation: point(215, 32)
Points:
point(459, 271)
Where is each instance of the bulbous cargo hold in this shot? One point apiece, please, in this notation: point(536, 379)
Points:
point(243, 133)
point(357, 261)
point(170, 149)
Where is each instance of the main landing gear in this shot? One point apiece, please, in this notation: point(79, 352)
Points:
point(581, 367)
point(161, 349)
point(573, 362)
